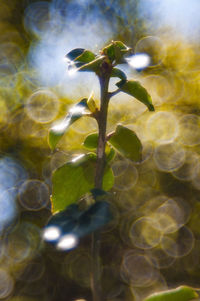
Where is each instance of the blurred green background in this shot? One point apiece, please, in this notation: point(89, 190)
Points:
point(154, 240)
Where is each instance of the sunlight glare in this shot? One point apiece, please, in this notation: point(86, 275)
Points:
point(51, 233)
point(67, 242)
point(139, 60)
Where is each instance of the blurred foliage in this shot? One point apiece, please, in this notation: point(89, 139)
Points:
point(153, 243)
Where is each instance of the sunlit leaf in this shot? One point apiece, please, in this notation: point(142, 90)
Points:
point(116, 51)
point(91, 141)
point(91, 104)
point(74, 179)
point(59, 129)
point(118, 73)
point(110, 154)
point(136, 90)
point(182, 293)
point(127, 143)
point(86, 57)
point(93, 65)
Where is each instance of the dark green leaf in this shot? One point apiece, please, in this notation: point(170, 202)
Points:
point(80, 223)
point(182, 293)
point(91, 141)
point(136, 90)
point(99, 194)
point(127, 143)
point(98, 215)
point(93, 65)
point(118, 73)
point(58, 130)
point(73, 54)
point(74, 179)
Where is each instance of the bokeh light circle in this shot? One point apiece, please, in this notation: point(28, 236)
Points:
point(127, 179)
point(162, 127)
point(137, 269)
point(152, 46)
point(169, 157)
point(42, 106)
point(179, 243)
point(144, 233)
point(189, 125)
point(188, 170)
point(6, 284)
point(34, 195)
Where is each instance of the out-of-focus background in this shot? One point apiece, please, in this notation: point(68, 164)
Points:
point(154, 240)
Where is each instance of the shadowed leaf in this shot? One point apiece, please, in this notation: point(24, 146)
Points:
point(91, 141)
point(80, 223)
point(127, 143)
point(73, 54)
point(118, 73)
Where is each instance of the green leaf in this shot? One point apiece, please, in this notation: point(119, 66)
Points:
point(181, 293)
point(136, 90)
point(118, 73)
point(110, 154)
point(116, 51)
point(91, 141)
point(122, 46)
point(86, 57)
point(59, 129)
point(127, 143)
point(93, 65)
point(74, 179)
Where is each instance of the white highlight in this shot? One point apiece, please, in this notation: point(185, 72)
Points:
point(78, 158)
point(51, 233)
point(67, 242)
point(60, 127)
point(139, 61)
point(77, 110)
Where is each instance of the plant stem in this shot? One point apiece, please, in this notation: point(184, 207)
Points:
point(102, 121)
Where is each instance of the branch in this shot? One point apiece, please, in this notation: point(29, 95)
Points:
point(111, 94)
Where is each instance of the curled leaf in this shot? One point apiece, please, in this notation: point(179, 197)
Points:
point(58, 130)
point(181, 293)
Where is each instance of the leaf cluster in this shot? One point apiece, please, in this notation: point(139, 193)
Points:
point(75, 179)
